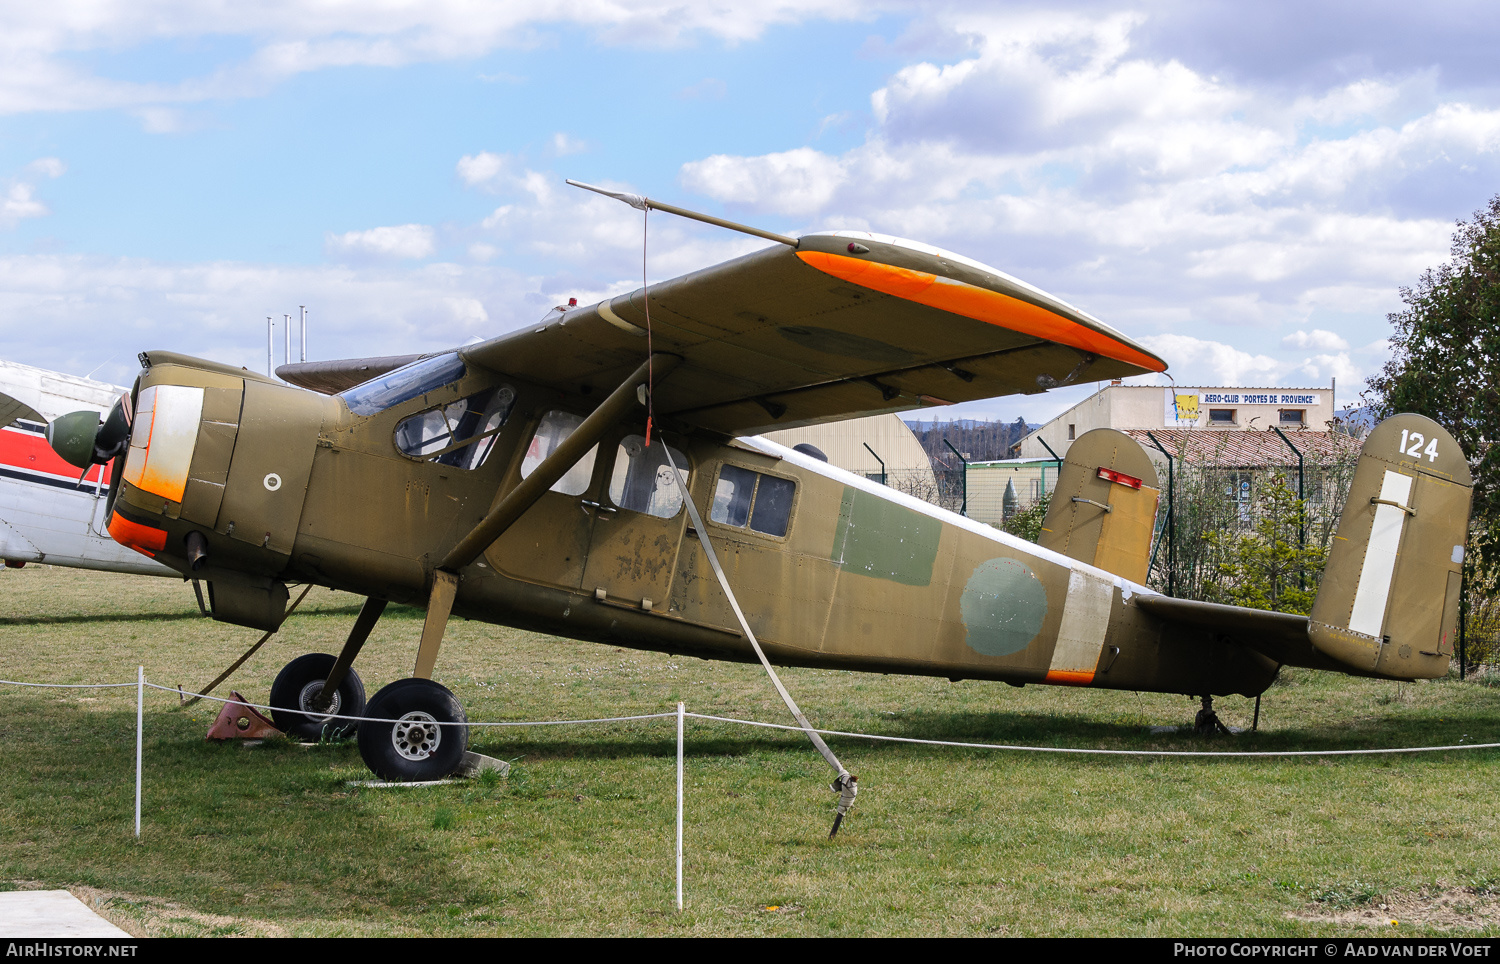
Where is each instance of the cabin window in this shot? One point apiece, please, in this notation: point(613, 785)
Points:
point(554, 430)
point(642, 479)
point(461, 434)
point(752, 499)
point(404, 384)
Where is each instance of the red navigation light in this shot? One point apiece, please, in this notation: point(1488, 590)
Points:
point(1110, 475)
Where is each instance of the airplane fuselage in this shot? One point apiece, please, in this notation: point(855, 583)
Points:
point(368, 494)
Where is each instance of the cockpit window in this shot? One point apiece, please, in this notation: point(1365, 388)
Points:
point(461, 434)
point(404, 384)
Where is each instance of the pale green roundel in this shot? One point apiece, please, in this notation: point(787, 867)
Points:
point(1003, 606)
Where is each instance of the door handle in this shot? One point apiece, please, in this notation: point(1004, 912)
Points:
point(597, 506)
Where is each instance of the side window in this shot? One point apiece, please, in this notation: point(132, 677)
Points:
point(461, 434)
point(642, 479)
point(745, 498)
point(554, 430)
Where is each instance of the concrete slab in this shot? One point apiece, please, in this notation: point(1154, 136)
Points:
point(50, 913)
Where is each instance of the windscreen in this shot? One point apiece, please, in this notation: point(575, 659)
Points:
point(403, 384)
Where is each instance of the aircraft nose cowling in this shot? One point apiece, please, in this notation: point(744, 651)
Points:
point(218, 467)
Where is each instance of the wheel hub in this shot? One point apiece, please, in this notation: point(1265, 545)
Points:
point(416, 735)
point(308, 696)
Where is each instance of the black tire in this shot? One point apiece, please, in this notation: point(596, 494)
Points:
point(416, 747)
point(298, 683)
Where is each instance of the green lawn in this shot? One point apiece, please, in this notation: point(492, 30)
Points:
point(274, 839)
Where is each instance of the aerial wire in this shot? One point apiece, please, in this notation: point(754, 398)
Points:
point(845, 784)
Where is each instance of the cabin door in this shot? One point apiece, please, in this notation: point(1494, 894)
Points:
point(638, 523)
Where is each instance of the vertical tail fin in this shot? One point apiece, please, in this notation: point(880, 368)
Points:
point(1104, 507)
point(1388, 603)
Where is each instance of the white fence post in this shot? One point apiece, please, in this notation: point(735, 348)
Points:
point(140, 705)
point(679, 805)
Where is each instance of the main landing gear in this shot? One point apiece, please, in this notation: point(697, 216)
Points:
point(300, 684)
point(424, 735)
point(415, 729)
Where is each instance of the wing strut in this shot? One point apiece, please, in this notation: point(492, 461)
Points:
point(845, 784)
point(521, 498)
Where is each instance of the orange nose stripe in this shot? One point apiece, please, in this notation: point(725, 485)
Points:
point(143, 539)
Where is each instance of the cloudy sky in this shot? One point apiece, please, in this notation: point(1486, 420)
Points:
point(1242, 187)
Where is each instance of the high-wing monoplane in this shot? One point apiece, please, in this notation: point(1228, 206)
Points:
point(532, 480)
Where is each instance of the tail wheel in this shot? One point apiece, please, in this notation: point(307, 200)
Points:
point(299, 684)
point(427, 737)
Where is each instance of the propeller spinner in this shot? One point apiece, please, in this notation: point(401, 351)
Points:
point(82, 440)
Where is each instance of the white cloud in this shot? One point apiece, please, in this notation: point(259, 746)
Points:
point(1317, 338)
point(1196, 361)
point(564, 144)
point(396, 241)
point(798, 182)
point(48, 167)
point(481, 168)
point(41, 44)
point(18, 204)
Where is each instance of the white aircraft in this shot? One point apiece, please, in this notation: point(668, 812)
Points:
point(47, 514)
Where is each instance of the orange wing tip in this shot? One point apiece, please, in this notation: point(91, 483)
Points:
point(1069, 677)
point(981, 304)
point(143, 539)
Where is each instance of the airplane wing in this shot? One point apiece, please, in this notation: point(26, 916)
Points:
point(845, 324)
point(13, 409)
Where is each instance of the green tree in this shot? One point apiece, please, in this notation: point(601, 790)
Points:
point(1277, 564)
point(1027, 523)
point(1445, 364)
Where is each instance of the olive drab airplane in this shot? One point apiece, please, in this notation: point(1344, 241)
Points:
point(527, 481)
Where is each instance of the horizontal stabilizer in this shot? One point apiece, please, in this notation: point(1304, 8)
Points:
point(337, 375)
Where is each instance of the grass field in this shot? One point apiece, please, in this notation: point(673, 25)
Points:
point(274, 839)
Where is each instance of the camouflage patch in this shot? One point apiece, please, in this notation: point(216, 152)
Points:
point(884, 540)
point(1003, 607)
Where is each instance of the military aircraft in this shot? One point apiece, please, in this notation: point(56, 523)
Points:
point(528, 480)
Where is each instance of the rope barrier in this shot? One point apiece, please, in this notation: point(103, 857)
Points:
point(1084, 750)
point(672, 714)
point(65, 686)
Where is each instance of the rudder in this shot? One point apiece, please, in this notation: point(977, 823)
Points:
point(1103, 509)
point(1388, 602)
